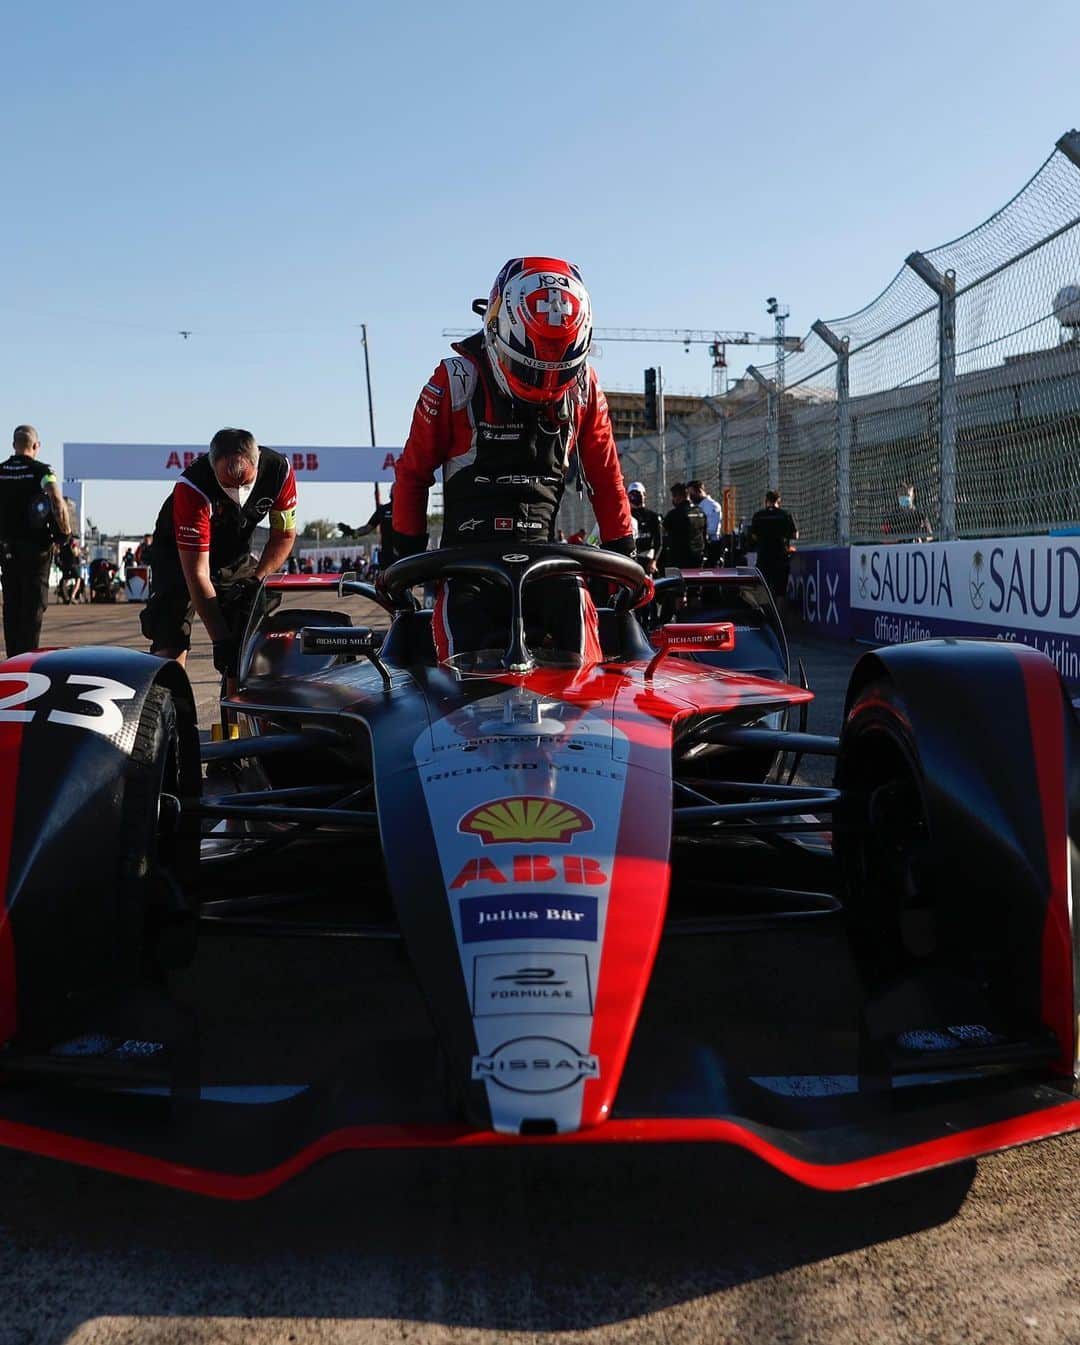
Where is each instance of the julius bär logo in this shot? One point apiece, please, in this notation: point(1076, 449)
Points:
point(525, 819)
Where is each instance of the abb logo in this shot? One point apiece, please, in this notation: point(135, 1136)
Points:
point(301, 462)
point(575, 870)
point(180, 461)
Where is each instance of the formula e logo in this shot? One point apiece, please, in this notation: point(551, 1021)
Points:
point(527, 976)
point(531, 983)
point(535, 1065)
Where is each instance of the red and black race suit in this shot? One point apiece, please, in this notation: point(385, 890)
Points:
point(200, 516)
point(504, 463)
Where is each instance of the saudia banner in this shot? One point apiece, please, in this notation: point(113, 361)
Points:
point(1025, 588)
point(164, 462)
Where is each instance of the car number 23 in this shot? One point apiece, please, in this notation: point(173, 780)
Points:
point(104, 693)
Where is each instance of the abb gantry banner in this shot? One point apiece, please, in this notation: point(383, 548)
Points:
point(165, 462)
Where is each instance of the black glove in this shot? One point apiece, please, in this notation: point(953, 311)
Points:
point(226, 656)
point(625, 546)
point(405, 544)
point(234, 592)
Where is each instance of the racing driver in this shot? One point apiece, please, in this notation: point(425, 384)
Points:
point(503, 417)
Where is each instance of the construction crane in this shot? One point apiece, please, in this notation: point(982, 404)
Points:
point(717, 341)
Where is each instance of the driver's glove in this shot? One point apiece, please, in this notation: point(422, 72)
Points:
point(226, 656)
point(625, 546)
point(406, 544)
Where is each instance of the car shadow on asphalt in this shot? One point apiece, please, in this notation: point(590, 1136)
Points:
point(529, 1240)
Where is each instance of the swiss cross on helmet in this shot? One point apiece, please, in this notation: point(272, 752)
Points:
point(538, 328)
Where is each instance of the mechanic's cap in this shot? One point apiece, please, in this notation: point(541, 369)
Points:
point(636, 485)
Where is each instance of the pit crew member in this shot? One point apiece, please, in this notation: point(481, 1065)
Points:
point(201, 545)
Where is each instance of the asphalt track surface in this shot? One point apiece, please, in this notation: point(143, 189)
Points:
point(614, 1244)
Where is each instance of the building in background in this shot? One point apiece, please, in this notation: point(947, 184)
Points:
point(628, 411)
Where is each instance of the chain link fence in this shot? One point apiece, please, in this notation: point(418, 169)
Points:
point(960, 381)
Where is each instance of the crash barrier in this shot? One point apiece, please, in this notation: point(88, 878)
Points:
point(962, 379)
point(1023, 589)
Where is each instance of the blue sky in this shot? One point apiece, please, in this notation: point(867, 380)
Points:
point(269, 175)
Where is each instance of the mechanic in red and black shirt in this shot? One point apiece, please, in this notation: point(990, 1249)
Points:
point(503, 417)
point(201, 545)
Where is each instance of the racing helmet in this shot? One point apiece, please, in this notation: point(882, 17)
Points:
point(538, 328)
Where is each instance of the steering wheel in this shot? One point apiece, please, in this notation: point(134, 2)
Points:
point(513, 565)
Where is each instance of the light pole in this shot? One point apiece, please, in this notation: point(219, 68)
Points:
point(780, 313)
point(367, 375)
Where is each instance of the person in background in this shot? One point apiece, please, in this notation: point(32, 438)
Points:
point(201, 545)
point(684, 532)
point(382, 522)
point(772, 533)
point(906, 522)
point(650, 531)
point(33, 515)
point(713, 519)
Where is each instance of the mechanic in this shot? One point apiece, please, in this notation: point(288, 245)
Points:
point(772, 532)
point(684, 531)
point(650, 531)
point(713, 519)
point(32, 516)
point(201, 545)
point(502, 417)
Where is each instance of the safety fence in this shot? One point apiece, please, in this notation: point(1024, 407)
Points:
point(961, 380)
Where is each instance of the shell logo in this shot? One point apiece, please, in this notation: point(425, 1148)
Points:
point(525, 819)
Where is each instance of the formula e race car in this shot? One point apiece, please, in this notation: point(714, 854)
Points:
point(515, 897)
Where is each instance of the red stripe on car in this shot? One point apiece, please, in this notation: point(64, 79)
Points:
point(1047, 722)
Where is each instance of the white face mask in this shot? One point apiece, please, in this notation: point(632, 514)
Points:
point(239, 494)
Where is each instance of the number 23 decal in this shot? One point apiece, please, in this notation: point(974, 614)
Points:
point(104, 693)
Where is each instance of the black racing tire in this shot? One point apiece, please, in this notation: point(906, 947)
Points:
point(158, 852)
point(884, 843)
